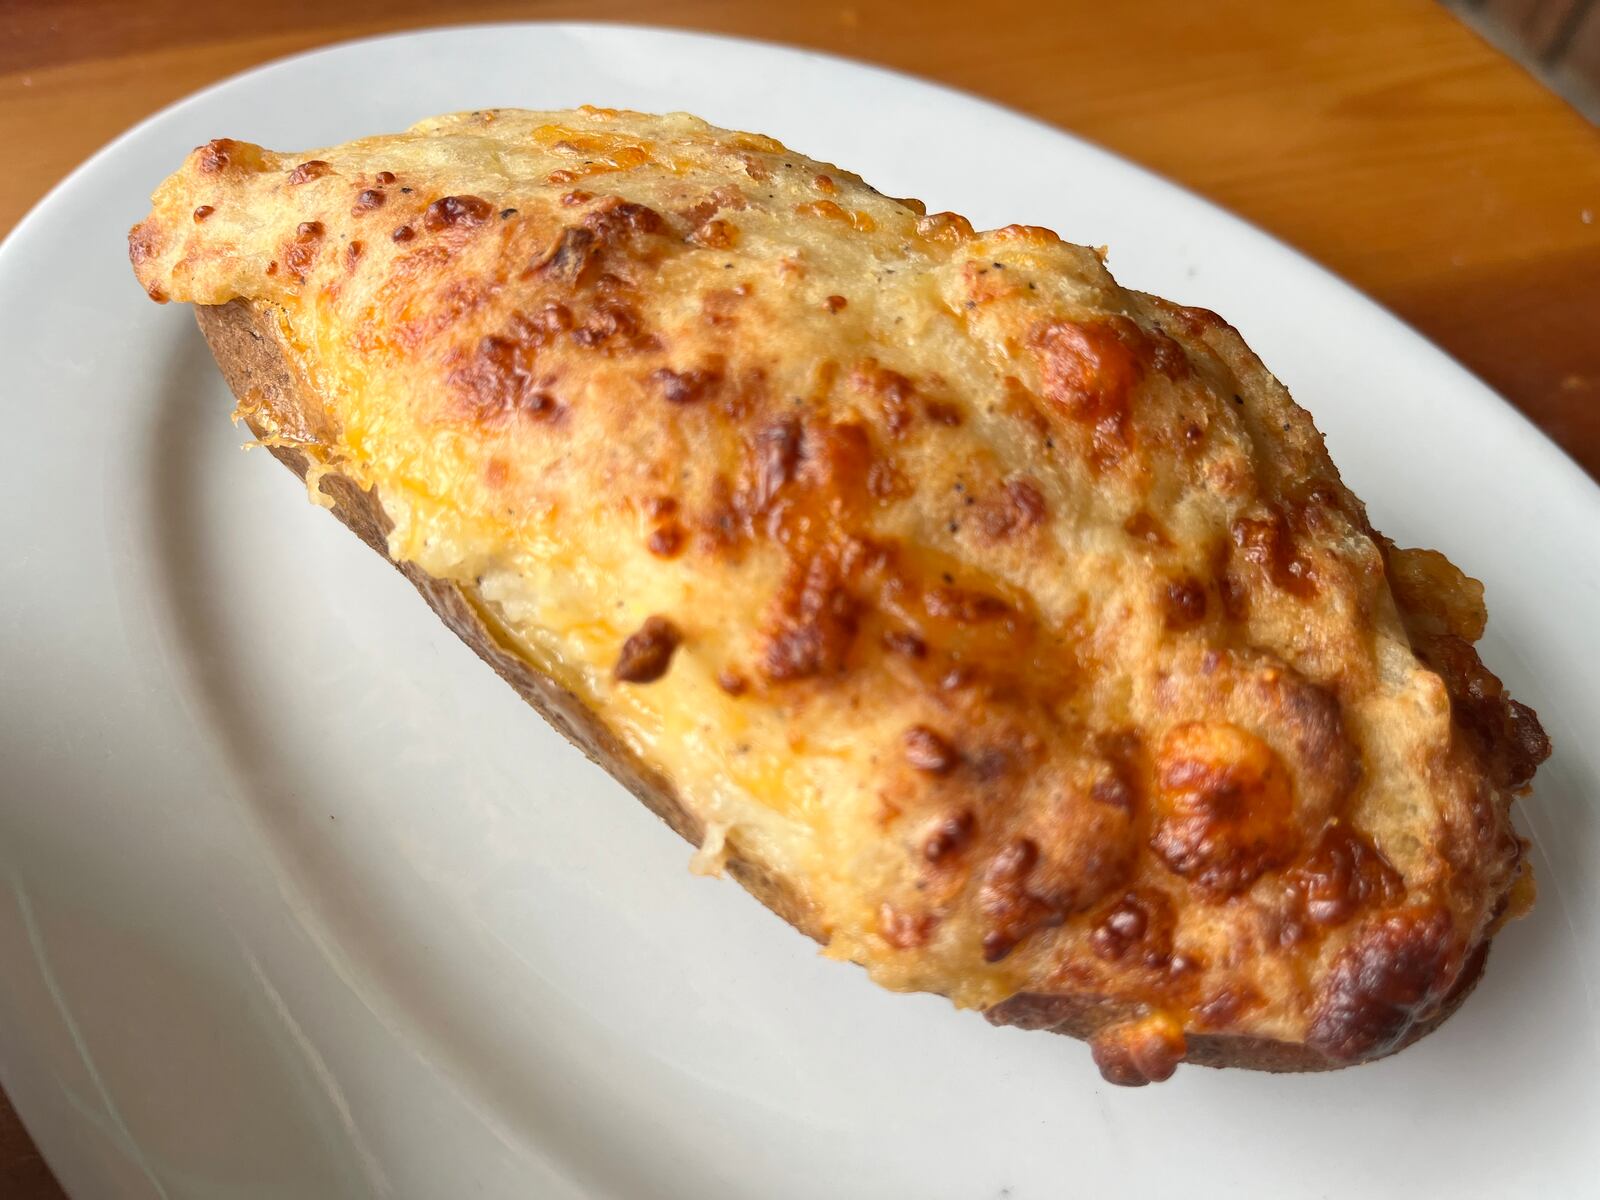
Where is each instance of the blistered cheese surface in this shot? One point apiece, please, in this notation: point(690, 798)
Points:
point(1019, 620)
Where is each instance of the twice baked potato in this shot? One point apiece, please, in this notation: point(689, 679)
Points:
point(1008, 632)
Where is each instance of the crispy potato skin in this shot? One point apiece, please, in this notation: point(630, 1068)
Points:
point(1011, 632)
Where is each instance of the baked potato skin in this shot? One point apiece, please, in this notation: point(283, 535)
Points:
point(1008, 632)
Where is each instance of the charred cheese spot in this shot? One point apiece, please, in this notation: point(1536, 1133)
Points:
point(299, 254)
point(1137, 928)
point(804, 476)
point(614, 219)
point(1395, 972)
point(503, 377)
point(1089, 371)
point(716, 234)
point(949, 836)
point(1504, 734)
point(566, 258)
point(313, 169)
point(1226, 809)
point(1145, 528)
point(224, 155)
point(903, 642)
point(667, 541)
point(688, 386)
point(146, 241)
point(1010, 913)
point(1073, 851)
point(948, 228)
point(1184, 602)
point(893, 390)
point(647, 654)
point(928, 751)
point(611, 326)
point(814, 625)
point(724, 197)
point(904, 928)
point(456, 212)
point(1135, 1053)
point(1433, 594)
point(1344, 874)
point(1266, 547)
point(776, 456)
point(367, 200)
point(1017, 508)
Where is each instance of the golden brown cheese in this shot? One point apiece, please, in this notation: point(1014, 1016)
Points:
point(1020, 621)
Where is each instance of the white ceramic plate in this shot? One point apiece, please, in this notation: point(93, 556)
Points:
point(297, 899)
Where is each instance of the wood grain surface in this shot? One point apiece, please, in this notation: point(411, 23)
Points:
point(1382, 137)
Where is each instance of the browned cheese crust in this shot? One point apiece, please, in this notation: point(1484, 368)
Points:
point(1006, 631)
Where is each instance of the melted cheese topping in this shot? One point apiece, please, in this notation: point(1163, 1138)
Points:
point(1019, 621)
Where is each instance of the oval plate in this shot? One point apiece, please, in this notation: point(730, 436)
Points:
point(297, 899)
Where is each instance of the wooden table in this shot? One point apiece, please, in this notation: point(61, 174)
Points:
point(1380, 136)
